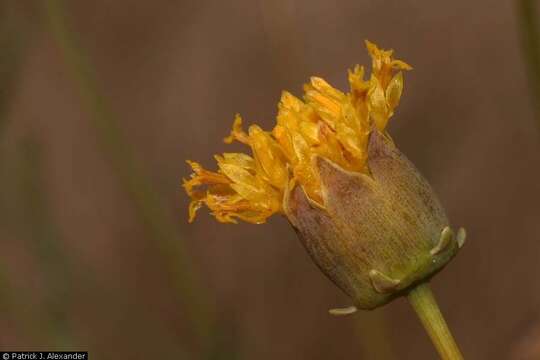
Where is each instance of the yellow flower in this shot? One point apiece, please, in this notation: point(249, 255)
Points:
point(365, 215)
point(328, 123)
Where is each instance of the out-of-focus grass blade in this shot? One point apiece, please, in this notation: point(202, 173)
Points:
point(527, 11)
point(13, 41)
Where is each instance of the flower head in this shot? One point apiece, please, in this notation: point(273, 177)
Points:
point(327, 123)
point(363, 212)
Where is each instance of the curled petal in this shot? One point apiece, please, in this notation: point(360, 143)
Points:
point(237, 133)
point(400, 65)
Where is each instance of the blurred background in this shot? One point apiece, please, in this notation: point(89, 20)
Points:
point(102, 101)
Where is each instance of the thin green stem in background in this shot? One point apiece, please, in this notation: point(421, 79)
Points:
point(425, 306)
point(13, 44)
point(530, 34)
point(19, 312)
point(152, 214)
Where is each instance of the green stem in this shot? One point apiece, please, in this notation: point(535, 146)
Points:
point(425, 306)
point(530, 38)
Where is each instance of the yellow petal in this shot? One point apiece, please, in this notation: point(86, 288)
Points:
point(310, 132)
point(289, 101)
point(304, 171)
point(324, 99)
point(237, 133)
point(240, 176)
point(243, 160)
point(400, 65)
point(269, 156)
point(377, 98)
point(394, 90)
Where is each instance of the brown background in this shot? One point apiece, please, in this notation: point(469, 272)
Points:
point(96, 252)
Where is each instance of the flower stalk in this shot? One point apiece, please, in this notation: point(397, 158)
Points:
point(425, 306)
